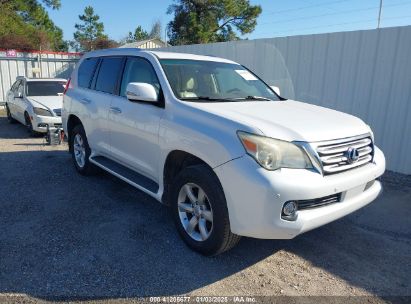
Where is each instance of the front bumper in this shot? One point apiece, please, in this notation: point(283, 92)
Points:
point(40, 122)
point(255, 196)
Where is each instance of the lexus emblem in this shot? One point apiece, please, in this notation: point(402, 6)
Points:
point(352, 155)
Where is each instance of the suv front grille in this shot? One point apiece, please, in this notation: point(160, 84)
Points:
point(340, 155)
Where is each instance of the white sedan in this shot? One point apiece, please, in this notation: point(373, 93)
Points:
point(36, 103)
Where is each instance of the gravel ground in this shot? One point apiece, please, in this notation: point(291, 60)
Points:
point(67, 237)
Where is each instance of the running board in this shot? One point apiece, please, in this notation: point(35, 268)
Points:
point(126, 174)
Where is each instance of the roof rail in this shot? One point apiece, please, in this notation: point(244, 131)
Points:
point(20, 77)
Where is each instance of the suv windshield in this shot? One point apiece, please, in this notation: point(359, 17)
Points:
point(45, 88)
point(198, 80)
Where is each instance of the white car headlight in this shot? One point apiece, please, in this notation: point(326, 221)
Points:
point(42, 112)
point(273, 154)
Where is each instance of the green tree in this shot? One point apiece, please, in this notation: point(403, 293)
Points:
point(89, 31)
point(140, 34)
point(25, 24)
point(205, 21)
point(156, 30)
point(54, 4)
point(128, 39)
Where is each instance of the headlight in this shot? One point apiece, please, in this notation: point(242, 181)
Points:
point(42, 112)
point(273, 154)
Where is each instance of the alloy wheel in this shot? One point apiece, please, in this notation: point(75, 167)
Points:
point(195, 211)
point(79, 150)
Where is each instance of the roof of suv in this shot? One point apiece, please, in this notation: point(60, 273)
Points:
point(158, 54)
point(39, 79)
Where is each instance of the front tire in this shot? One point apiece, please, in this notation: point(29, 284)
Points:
point(80, 151)
point(9, 117)
point(29, 125)
point(200, 213)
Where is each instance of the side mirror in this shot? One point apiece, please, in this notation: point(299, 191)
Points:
point(276, 89)
point(18, 95)
point(140, 91)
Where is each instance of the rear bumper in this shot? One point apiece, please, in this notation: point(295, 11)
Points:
point(255, 196)
point(40, 122)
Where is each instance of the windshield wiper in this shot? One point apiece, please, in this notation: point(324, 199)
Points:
point(206, 98)
point(251, 97)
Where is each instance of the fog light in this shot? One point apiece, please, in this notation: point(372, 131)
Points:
point(289, 211)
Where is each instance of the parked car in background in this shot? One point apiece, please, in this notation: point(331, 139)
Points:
point(36, 103)
point(209, 138)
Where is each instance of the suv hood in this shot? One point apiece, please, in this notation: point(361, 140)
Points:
point(289, 120)
point(48, 102)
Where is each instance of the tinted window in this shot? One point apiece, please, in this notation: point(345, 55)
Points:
point(138, 70)
point(108, 74)
point(85, 72)
point(45, 88)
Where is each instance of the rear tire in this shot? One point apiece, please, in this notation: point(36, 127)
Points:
point(9, 117)
point(200, 213)
point(80, 151)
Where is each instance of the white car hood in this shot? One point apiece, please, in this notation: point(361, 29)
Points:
point(49, 102)
point(289, 120)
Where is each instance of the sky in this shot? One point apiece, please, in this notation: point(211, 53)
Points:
point(278, 18)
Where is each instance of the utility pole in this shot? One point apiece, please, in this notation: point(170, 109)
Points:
point(379, 15)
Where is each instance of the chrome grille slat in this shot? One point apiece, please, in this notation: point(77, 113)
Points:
point(333, 154)
point(342, 167)
point(341, 158)
point(343, 147)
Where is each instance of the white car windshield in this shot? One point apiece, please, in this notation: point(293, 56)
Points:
point(197, 80)
point(45, 88)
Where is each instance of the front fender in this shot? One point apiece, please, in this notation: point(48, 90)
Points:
point(213, 141)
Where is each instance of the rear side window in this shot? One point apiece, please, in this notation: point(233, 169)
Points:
point(107, 78)
point(86, 71)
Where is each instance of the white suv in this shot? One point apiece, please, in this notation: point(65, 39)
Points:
point(210, 139)
point(36, 103)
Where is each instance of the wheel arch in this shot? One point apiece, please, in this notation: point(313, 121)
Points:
point(72, 121)
point(26, 115)
point(176, 161)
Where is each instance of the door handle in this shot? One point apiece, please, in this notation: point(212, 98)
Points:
point(85, 100)
point(115, 110)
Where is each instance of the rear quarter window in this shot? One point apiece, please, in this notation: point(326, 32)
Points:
point(108, 75)
point(86, 71)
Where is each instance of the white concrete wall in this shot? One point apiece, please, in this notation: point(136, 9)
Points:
point(365, 73)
